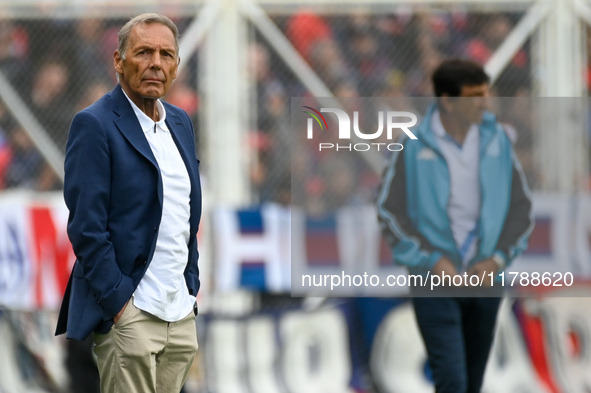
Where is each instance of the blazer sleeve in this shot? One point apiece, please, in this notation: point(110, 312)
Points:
point(519, 223)
point(87, 188)
point(409, 246)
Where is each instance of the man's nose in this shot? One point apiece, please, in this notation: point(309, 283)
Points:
point(156, 60)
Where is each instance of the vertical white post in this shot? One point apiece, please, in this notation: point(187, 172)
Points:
point(562, 155)
point(224, 96)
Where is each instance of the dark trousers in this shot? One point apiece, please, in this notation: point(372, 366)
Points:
point(84, 377)
point(458, 334)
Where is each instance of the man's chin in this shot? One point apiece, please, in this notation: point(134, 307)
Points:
point(152, 94)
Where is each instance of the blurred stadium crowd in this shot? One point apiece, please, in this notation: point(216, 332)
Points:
point(58, 67)
point(368, 55)
point(62, 66)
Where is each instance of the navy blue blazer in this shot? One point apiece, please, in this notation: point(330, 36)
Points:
point(113, 190)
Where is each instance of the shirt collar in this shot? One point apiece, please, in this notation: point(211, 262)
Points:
point(146, 123)
point(437, 125)
point(439, 130)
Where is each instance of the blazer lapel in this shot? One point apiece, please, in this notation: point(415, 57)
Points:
point(179, 135)
point(129, 125)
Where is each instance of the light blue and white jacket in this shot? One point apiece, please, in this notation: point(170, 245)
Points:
point(412, 203)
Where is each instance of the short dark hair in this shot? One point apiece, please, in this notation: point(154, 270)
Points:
point(453, 74)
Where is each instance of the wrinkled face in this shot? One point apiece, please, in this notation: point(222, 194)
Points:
point(150, 63)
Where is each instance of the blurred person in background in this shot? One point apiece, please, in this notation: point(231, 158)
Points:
point(304, 29)
point(92, 93)
point(133, 191)
point(47, 179)
point(26, 162)
point(489, 34)
point(259, 71)
point(14, 47)
point(327, 61)
point(369, 62)
point(275, 128)
point(183, 95)
point(21, 164)
point(455, 200)
point(87, 43)
point(50, 100)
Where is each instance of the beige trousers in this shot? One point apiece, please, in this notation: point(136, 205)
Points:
point(144, 354)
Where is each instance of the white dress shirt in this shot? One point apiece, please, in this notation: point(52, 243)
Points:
point(163, 291)
point(463, 208)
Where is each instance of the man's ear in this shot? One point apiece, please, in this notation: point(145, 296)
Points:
point(117, 62)
point(178, 62)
